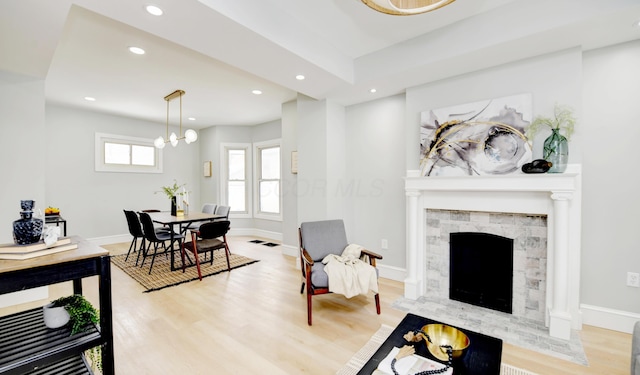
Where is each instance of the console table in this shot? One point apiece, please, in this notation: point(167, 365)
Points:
point(26, 345)
point(482, 357)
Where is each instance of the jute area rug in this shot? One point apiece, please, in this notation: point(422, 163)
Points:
point(368, 350)
point(162, 277)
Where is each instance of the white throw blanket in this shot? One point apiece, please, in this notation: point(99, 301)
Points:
point(348, 274)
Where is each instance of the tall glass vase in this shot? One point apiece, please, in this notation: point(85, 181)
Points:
point(556, 150)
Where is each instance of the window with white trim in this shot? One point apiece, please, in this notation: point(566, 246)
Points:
point(117, 153)
point(267, 189)
point(235, 178)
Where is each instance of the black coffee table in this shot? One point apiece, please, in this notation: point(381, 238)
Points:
point(482, 357)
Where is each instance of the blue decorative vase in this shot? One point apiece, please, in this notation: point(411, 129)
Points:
point(556, 151)
point(27, 229)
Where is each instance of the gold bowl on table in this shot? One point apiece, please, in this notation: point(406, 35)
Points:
point(441, 335)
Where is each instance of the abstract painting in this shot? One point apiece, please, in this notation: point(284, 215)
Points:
point(481, 138)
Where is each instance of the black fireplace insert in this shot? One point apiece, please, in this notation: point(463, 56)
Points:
point(481, 270)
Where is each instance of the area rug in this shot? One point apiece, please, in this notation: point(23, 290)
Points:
point(522, 332)
point(162, 277)
point(368, 350)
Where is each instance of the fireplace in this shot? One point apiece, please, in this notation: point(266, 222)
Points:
point(481, 270)
point(554, 196)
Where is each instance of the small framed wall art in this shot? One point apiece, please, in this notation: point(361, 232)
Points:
point(207, 169)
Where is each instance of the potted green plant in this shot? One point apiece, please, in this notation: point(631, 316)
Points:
point(556, 146)
point(80, 314)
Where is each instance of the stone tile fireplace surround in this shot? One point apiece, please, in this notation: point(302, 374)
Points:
point(556, 196)
point(529, 233)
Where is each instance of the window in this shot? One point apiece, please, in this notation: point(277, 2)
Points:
point(235, 178)
point(128, 154)
point(116, 153)
point(268, 180)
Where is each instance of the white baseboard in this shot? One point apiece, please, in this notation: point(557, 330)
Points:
point(391, 272)
point(293, 251)
point(252, 232)
point(603, 317)
point(108, 240)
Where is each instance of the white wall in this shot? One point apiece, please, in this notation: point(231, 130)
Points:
point(554, 78)
point(22, 155)
point(22, 160)
point(92, 202)
point(610, 246)
point(312, 160)
point(374, 186)
point(289, 179)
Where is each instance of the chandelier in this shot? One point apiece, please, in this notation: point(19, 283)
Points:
point(405, 7)
point(189, 136)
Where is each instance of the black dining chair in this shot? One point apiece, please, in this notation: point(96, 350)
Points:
point(209, 237)
point(135, 229)
point(158, 239)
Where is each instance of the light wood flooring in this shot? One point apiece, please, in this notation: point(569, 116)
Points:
point(253, 320)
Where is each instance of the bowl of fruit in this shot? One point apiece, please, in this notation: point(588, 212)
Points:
point(51, 211)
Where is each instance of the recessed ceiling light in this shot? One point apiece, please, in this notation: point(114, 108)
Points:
point(89, 98)
point(373, 91)
point(257, 92)
point(191, 119)
point(299, 77)
point(153, 10)
point(136, 50)
point(636, 23)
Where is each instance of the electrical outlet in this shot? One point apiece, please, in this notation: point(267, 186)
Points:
point(384, 245)
point(633, 279)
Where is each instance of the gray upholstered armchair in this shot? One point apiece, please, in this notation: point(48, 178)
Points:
point(635, 350)
point(317, 240)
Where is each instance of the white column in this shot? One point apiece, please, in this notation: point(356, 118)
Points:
point(559, 315)
point(411, 281)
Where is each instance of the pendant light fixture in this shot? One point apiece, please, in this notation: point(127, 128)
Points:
point(189, 136)
point(406, 7)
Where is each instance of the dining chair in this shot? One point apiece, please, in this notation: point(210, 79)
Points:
point(317, 240)
point(159, 227)
point(205, 240)
point(223, 211)
point(207, 208)
point(157, 238)
point(135, 229)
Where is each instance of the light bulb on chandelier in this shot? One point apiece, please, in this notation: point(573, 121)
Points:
point(189, 136)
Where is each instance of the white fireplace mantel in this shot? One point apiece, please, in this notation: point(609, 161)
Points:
point(556, 195)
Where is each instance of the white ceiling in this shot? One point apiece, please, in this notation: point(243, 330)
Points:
point(218, 51)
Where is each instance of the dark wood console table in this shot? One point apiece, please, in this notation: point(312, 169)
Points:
point(26, 345)
point(482, 357)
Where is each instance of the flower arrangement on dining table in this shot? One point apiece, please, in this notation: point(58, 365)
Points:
point(179, 192)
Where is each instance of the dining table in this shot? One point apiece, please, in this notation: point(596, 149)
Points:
point(182, 222)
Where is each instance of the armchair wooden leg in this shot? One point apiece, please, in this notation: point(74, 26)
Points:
point(195, 254)
point(377, 297)
point(226, 251)
point(309, 308)
point(182, 256)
